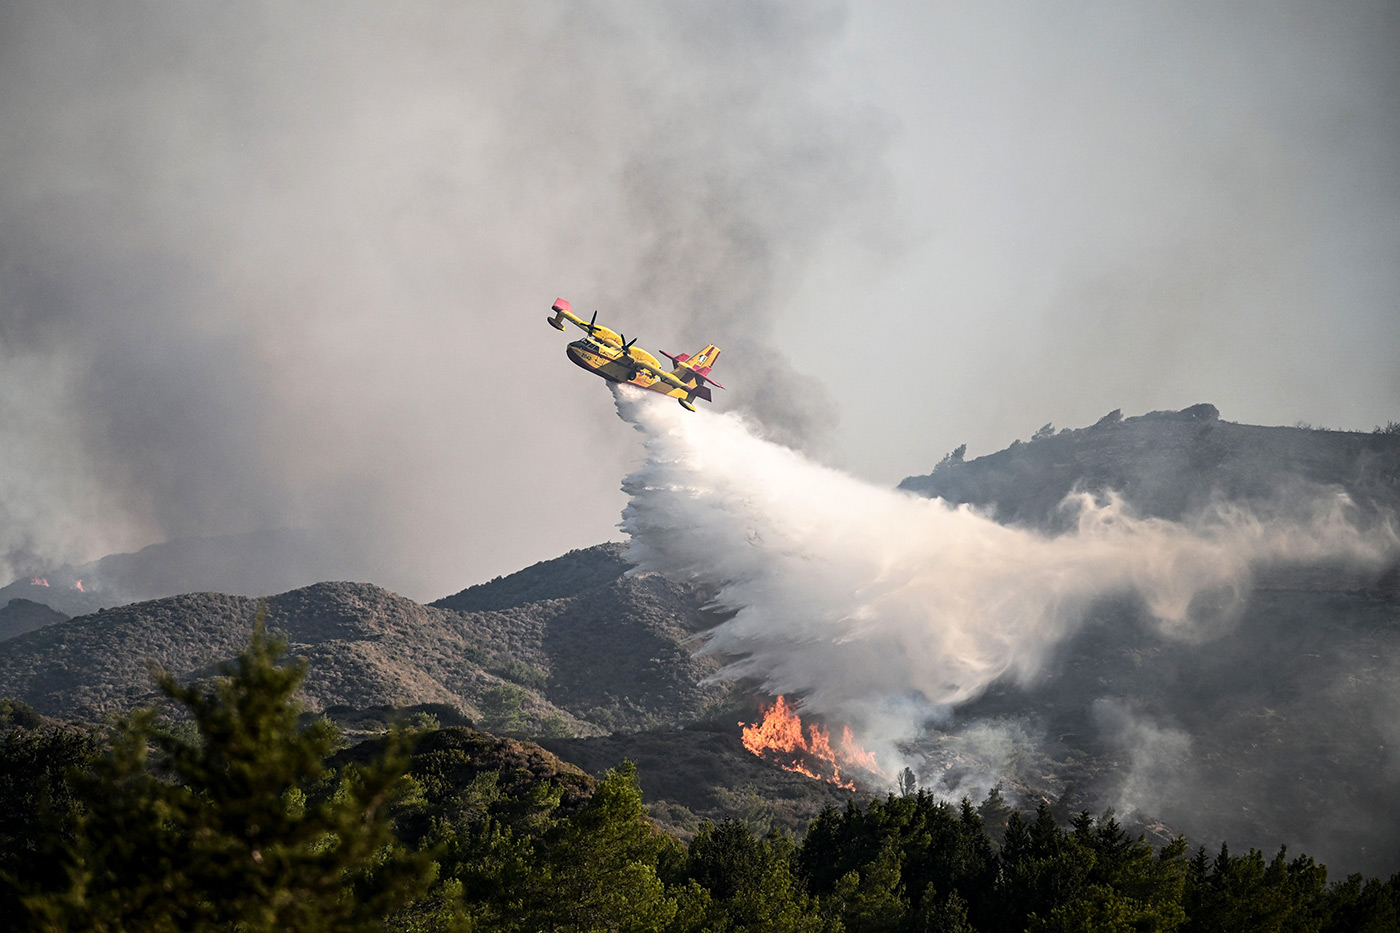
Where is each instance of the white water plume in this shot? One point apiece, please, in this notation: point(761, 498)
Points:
point(884, 609)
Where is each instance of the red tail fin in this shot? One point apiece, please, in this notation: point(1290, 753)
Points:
point(699, 364)
point(702, 362)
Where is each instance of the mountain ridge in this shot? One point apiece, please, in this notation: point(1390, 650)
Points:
point(1271, 728)
point(553, 660)
point(596, 660)
point(1170, 465)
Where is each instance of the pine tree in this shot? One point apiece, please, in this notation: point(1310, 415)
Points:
point(995, 814)
point(942, 915)
point(724, 859)
point(749, 883)
point(238, 825)
point(38, 805)
point(600, 871)
point(870, 900)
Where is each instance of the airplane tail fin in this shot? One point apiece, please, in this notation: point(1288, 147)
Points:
point(697, 366)
point(702, 362)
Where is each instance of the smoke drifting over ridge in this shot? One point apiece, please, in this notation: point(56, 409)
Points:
point(886, 611)
point(267, 265)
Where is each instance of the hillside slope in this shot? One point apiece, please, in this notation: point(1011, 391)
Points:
point(25, 615)
point(704, 772)
point(1169, 465)
point(560, 578)
point(364, 645)
point(610, 656)
point(251, 564)
point(1277, 727)
point(613, 648)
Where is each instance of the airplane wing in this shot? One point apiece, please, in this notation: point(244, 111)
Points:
point(660, 374)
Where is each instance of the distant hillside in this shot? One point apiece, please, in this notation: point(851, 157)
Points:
point(365, 646)
point(612, 647)
point(1280, 727)
point(610, 656)
point(58, 592)
point(23, 615)
point(574, 573)
point(253, 564)
point(1170, 464)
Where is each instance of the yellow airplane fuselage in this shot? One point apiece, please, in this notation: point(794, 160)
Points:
point(607, 361)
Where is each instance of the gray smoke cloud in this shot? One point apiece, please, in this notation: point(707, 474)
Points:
point(270, 265)
point(887, 611)
point(267, 265)
point(1126, 206)
point(977, 758)
point(1158, 755)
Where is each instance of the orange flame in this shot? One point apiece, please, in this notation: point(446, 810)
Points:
point(78, 585)
point(782, 739)
point(38, 581)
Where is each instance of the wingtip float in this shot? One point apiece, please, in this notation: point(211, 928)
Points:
point(606, 353)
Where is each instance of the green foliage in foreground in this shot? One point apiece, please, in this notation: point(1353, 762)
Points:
point(236, 824)
point(244, 821)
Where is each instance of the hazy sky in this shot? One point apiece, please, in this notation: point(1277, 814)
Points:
point(270, 264)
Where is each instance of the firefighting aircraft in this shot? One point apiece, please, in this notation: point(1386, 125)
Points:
point(612, 356)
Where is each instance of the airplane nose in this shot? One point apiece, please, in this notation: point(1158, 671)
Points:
point(577, 358)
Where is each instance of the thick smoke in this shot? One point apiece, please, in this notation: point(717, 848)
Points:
point(267, 265)
point(886, 611)
point(277, 264)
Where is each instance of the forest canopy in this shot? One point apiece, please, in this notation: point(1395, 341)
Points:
point(243, 813)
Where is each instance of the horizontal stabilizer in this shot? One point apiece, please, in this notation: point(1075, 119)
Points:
point(698, 365)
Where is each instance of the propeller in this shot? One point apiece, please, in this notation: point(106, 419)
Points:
point(593, 320)
point(627, 345)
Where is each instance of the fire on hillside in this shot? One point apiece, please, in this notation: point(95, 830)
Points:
point(44, 582)
point(782, 739)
